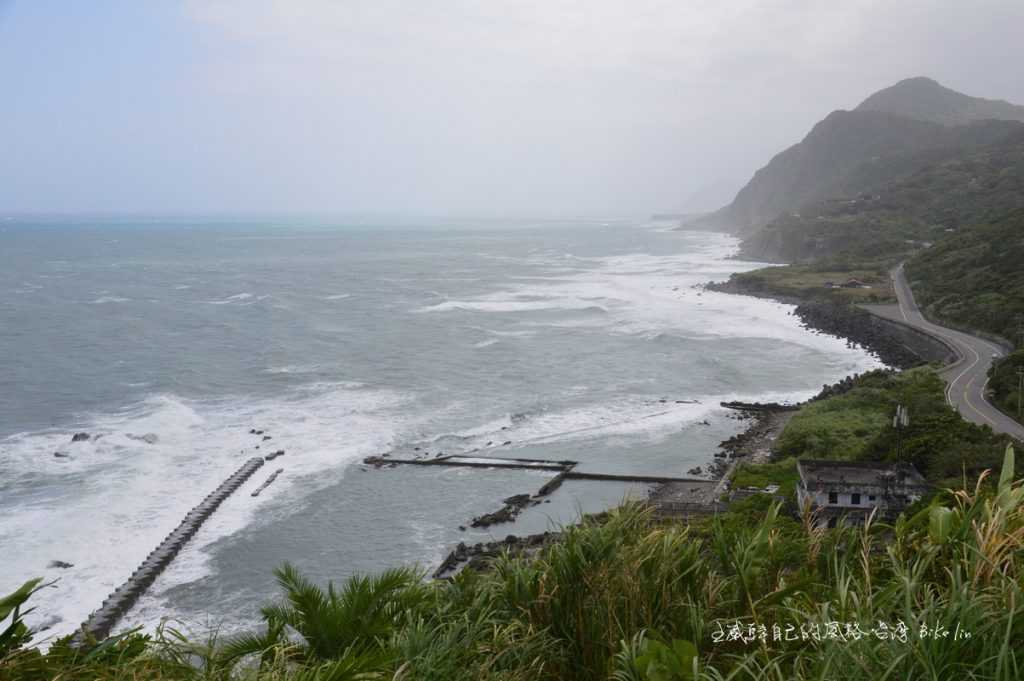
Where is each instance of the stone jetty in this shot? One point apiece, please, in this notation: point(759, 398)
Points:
point(102, 621)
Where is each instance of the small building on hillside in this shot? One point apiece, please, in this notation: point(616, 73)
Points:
point(848, 491)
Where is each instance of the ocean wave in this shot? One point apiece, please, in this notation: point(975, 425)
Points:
point(105, 300)
point(146, 466)
point(293, 369)
point(238, 297)
point(514, 305)
point(522, 333)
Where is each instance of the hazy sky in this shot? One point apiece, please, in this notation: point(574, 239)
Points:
point(468, 107)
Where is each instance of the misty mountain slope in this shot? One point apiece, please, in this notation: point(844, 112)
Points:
point(847, 153)
point(957, 189)
point(924, 99)
point(850, 152)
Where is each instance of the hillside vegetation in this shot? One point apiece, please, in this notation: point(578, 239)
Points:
point(897, 219)
point(1005, 384)
point(975, 278)
point(857, 426)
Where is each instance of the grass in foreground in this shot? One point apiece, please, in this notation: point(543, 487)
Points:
point(632, 599)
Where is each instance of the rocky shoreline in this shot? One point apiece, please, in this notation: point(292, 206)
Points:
point(478, 557)
point(895, 344)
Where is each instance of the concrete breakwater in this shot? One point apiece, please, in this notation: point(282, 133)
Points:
point(102, 621)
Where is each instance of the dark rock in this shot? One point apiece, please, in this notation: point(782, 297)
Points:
point(746, 407)
point(696, 470)
point(480, 556)
point(520, 500)
point(61, 455)
point(60, 564)
point(505, 515)
point(80, 437)
point(506, 442)
point(462, 528)
point(513, 505)
point(266, 437)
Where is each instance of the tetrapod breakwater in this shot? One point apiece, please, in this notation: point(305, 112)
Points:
point(102, 621)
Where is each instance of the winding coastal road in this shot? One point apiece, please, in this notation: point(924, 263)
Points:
point(967, 378)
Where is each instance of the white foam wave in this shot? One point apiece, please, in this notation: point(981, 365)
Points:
point(513, 305)
point(294, 369)
point(238, 297)
point(338, 296)
point(487, 343)
point(104, 300)
point(111, 500)
point(643, 294)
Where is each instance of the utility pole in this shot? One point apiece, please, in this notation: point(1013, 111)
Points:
point(1020, 389)
point(900, 421)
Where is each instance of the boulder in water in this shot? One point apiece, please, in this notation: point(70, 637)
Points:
point(80, 437)
point(60, 564)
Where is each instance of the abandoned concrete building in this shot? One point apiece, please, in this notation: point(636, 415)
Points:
point(848, 491)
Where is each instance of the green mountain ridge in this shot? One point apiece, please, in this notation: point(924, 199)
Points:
point(924, 99)
point(894, 132)
point(958, 188)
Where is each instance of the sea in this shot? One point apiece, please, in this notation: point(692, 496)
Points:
point(170, 340)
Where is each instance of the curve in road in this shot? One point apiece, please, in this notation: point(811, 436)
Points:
point(967, 378)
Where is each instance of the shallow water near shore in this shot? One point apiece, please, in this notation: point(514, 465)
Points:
point(582, 340)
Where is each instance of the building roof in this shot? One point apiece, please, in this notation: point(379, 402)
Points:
point(817, 472)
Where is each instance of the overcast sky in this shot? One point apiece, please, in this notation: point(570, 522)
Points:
point(451, 107)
